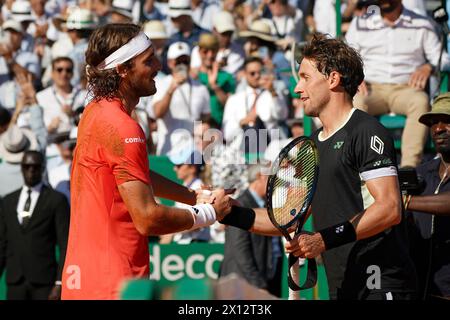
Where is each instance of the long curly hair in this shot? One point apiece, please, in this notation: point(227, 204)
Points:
point(104, 41)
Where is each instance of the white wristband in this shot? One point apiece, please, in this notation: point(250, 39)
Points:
point(203, 214)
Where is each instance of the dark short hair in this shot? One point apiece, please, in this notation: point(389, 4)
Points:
point(335, 55)
point(59, 59)
point(104, 41)
point(252, 59)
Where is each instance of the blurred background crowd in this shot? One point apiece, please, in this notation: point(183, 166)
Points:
point(229, 68)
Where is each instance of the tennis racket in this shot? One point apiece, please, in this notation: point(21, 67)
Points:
point(290, 190)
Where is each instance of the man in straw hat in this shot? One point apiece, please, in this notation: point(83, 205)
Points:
point(180, 13)
point(113, 209)
point(13, 143)
point(430, 211)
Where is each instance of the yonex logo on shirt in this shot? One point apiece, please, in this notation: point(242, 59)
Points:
point(376, 144)
point(134, 140)
point(338, 144)
point(339, 229)
point(196, 210)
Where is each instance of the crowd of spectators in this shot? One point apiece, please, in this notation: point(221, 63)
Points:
point(228, 70)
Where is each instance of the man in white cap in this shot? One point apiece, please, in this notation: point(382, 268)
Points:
point(231, 55)
point(180, 13)
point(113, 209)
point(179, 102)
point(11, 47)
point(80, 24)
point(24, 64)
point(122, 11)
point(21, 12)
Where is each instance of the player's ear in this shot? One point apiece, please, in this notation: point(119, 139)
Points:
point(334, 79)
point(122, 70)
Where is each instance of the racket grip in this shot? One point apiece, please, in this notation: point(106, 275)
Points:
point(295, 295)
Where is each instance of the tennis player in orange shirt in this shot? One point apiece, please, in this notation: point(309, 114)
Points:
point(113, 206)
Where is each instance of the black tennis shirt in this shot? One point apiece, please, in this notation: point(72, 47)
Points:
point(360, 150)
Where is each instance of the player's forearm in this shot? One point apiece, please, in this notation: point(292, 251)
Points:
point(167, 189)
point(162, 220)
point(378, 217)
point(263, 225)
point(438, 204)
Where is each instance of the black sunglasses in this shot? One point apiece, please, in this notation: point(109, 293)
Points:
point(253, 73)
point(28, 166)
point(60, 69)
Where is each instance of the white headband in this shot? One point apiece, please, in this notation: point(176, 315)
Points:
point(131, 49)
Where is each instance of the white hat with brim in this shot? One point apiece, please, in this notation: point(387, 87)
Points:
point(14, 142)
point(258, 29)
point(178, 49)
point(123, 12)
point(177, 12)
point(179, 8)
point(155, 30)
point(80, 19)
point(12, 25)
point(21, 11)
point(224, 22)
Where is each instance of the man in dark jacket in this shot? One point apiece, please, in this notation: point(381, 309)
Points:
point(33, 221)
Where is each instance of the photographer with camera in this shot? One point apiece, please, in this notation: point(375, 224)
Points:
point(430, 211)
point(179, 101)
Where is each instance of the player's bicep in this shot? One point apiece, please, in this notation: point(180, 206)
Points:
point(138, 197)
point(386, 194)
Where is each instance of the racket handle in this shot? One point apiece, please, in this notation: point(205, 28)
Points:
point(295, 295)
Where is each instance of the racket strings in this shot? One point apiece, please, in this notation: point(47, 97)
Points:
point(293, 182)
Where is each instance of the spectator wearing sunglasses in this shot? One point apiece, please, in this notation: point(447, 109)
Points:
point(60, 99)
point(34, 219)
point(257, 106)
point(58, 102)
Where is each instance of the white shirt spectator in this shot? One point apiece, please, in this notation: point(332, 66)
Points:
point(234, 56)
point(188, 103)
point(52, 104)
point(287, 26)
point(325, 17)
point(269, 109)
point(418, 6)
point(204, 14)
point(392, 54)
point(59, 174)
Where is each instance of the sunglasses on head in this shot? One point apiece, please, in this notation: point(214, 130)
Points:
point(61, 69)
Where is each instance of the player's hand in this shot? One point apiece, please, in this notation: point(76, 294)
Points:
point(306, 245)
point(204, 195)
point(207, 195)
point(222, 203)
point(55, 293)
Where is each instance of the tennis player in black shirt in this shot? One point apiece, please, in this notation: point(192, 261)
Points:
point(357, 208)
point(357, 196)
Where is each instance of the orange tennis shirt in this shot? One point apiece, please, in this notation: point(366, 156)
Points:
point(104, 247)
